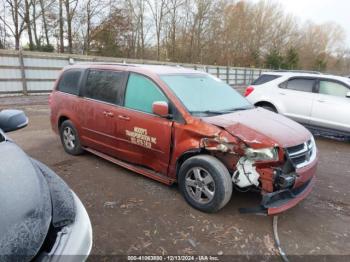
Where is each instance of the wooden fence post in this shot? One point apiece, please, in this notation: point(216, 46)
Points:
point(227, 75)
point(236, 77)
point(245, 76)
point(23, 73)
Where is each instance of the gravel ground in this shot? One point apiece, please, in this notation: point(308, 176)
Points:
point(132, 214)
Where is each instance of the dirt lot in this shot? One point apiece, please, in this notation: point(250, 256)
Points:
point(132, 214)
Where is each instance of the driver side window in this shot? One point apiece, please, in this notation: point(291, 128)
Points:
point(141, 92)
point(333, 88)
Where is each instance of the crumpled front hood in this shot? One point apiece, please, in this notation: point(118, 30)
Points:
point(261, 128)
point(25, 204)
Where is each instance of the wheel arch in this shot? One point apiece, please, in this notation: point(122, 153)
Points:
point(188, 154)
point(61, 119)
point(267, 103)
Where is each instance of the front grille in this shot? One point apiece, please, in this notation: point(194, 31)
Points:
point(295, 148)
point(301, 155)
point(299, 160)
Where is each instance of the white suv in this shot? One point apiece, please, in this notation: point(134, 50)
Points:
point(320, 102)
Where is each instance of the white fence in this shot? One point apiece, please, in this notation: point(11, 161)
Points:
point(33, 72)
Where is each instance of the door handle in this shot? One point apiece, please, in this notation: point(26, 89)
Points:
point(321, 101)
point(283, 94)
point(107, 113)
point(127, 118)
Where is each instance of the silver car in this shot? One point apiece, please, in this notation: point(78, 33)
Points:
point(41, 218)
point(320, 102)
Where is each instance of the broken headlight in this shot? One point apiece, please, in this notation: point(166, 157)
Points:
point(223, 143)
point(264, 154)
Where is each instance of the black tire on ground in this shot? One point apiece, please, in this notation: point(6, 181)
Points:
point(220, 193)
point(68, 132)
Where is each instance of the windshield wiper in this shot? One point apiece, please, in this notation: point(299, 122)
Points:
point(215, 112)
point(219, 112)
point(240, 108)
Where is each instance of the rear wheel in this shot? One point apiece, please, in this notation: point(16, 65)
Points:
point(205, 183)
point(70, 138)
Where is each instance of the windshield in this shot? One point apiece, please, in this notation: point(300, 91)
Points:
point(205, 94)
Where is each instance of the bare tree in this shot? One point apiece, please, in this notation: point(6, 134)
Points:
point(89, 11)
point(61, 22)
point(34, 17)
point(3, 31)
point(136, 10)
point(172, 26)
point(225, 32)
point(16, 25)
point(43, 6)
point(27, 20)
point(71, 6)
point(159, 9)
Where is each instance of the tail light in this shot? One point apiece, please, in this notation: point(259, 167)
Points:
point(248, 91)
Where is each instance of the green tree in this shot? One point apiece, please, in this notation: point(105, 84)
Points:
point(320, 64)
point(274, 60)
point(291, 59)
point(111, 37)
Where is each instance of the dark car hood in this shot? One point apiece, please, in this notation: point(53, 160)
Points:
point(25, 204)
point(261, 128)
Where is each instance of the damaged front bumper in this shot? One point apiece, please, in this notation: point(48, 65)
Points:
point(279, 201)
point(282, 200)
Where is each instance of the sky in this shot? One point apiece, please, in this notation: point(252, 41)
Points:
point(320, 11)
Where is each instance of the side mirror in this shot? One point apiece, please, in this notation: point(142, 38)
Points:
point(348, 94)
point(11, 120)
point(160, 108)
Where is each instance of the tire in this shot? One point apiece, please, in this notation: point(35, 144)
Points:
point(205, 183)
point(70, 138)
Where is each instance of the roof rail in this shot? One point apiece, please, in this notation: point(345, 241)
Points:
point(104, 63)
point(300, 71)
point(126, 64)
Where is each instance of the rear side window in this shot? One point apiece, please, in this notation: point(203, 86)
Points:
point(69, 82)
point(300, 84)
point(264, 79)
point(141, 93)
point(333, 88)
point(104, 85)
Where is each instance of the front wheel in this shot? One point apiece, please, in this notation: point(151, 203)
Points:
point(70, 138)
point(205, 183)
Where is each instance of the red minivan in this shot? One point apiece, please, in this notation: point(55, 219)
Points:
point(179, 125)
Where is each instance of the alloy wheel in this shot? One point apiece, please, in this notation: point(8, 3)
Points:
point(69, 138)
point(200, 185)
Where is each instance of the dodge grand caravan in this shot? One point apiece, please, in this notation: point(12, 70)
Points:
point(178, 125)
